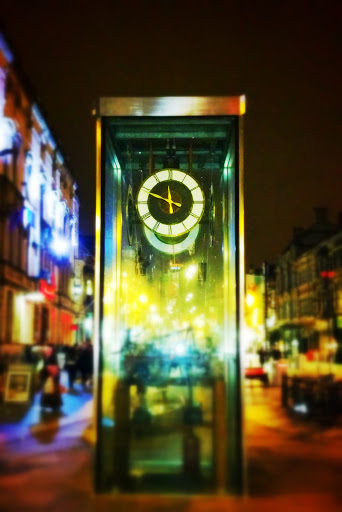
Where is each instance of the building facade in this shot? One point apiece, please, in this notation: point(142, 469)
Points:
point(309, 290)
point(39, 218)
point(260, 314)
point(83, 291)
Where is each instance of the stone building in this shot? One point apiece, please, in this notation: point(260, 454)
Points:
point(309, 289)
point(39, 218)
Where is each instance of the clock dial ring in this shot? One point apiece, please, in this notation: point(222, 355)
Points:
point(175, 248)
point(170, 202)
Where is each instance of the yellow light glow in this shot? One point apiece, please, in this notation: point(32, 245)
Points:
point(107, 299)
point(89, 287)
point(155, 319)
point(250, 299)
point(97, 256)
point(255, 315)
point(97, 223)
point(199, 321)
point(271, 321)
point(242, 104)
point(143, 298)
point(191, 271)
point(34, 297)
point(332, 345)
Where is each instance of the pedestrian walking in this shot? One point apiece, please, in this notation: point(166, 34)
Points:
point(50, 377)
point(85, 363)
point(71, 359)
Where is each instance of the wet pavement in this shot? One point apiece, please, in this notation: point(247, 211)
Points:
point(19, 421)
point(292, 465)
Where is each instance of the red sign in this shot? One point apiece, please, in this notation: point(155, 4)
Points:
point(74, 327)
point(48, 290)
point(328, 274)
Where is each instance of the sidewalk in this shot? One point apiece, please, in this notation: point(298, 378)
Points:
point(292, 466)
point(18, 421)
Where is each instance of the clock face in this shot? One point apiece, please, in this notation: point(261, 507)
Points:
point(170, 203)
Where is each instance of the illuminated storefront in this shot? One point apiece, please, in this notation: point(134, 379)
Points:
point(254, 316)
point(169, 294)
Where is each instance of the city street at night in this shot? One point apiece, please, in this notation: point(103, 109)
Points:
point(170, 256)
point(292, 465)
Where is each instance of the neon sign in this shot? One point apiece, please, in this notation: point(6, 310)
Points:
point(47, 289)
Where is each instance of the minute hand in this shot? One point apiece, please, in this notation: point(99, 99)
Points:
point(165, 199)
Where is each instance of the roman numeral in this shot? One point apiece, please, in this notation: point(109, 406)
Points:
point(146, 216)
point(156, 226)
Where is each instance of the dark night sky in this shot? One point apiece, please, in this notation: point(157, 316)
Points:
point(284, 55)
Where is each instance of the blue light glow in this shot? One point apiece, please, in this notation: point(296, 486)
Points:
point(60, 246)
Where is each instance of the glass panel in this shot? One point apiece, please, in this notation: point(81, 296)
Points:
point(168, 321)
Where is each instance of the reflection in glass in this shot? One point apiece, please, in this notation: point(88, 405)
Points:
point(168, 324)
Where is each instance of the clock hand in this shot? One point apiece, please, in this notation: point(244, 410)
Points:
point(165, 199)
point(169, 199)
point(177, 204)
point(159, 197)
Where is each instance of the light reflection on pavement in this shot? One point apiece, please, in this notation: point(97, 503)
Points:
point(291, 466)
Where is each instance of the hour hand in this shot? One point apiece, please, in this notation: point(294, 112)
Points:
point(168, 199)
point(171, 201)
point(158, 196)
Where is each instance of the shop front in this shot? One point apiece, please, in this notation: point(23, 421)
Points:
point(169, 295)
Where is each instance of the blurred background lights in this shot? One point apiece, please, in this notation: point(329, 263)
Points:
point(199, 321)
point(271, 321)
point(180, 349)
point(34, 297)
point(60, 246)
point(143, 298)
point(107, 298)
point(191, 271)
point(88, 324)
point(7, 133)
point(89, 287)
point(250, 299)
point(189, 297)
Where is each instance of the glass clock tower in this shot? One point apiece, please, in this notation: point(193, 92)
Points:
point(169, 295)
